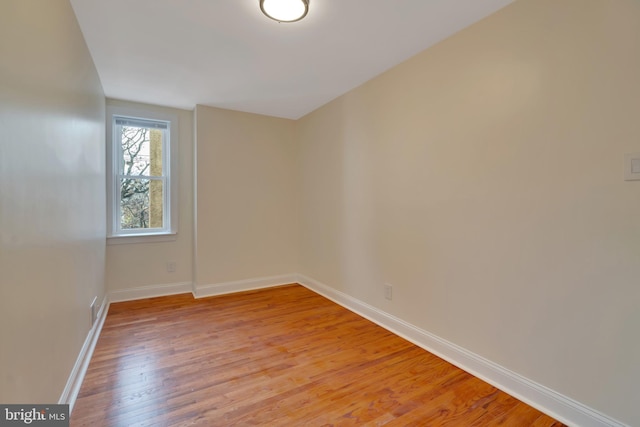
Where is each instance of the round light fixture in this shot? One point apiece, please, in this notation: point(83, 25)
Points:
point(285, 10)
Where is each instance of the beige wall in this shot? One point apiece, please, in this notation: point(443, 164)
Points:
point(52, 197)
point(246, 196)
point(483, 179)
point(145, 264)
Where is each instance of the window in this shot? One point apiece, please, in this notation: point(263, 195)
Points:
point(141, 191)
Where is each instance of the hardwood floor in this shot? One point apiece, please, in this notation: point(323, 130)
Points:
point(280, 357)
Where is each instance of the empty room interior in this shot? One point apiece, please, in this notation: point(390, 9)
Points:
point(411, 212)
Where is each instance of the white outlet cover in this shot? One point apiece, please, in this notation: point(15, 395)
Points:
point(632, 167)
point(388, 291)
point(94, 310)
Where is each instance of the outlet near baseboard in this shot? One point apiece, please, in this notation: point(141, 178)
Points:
point(94, 310)
point(171, 266)
point(388, 291)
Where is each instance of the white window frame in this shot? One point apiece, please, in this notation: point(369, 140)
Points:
point(116, 235)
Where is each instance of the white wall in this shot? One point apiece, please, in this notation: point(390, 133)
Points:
point(52, 197)
point(246, 225)
point(483, 178)
point(131, 266)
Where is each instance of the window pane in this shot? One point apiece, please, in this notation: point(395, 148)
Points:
point(141, 151)
point(141, 203)
point(156, 204)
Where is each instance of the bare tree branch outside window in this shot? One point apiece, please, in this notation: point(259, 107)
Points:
point(134, 192)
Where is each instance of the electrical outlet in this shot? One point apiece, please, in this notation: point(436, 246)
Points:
point(388, 291)
point(94, 310)
point(171, 266)
point(632, 167)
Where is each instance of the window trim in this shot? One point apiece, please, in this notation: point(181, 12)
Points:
point(168, 233)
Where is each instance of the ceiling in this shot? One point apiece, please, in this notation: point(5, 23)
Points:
point(226, 53)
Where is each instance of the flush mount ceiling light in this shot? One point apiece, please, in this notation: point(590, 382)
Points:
point(285, 10)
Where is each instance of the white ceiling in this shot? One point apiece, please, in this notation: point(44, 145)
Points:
point(225, 53)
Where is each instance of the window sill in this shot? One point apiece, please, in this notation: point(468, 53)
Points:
point(141, 238)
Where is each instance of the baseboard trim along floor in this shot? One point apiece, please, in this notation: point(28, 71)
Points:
point(150, 291)
point(243, 285)
point(70, 392)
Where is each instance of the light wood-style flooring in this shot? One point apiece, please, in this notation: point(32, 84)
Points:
point(283, 356)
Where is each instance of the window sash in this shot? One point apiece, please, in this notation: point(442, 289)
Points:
point(118, 207)
point(117, 148)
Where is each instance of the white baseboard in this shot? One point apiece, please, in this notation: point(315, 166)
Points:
point(71, 389)
point(554, 404)
point(150, 291)
point(243, 285)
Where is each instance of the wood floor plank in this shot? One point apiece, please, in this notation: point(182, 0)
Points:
point(280, 357)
